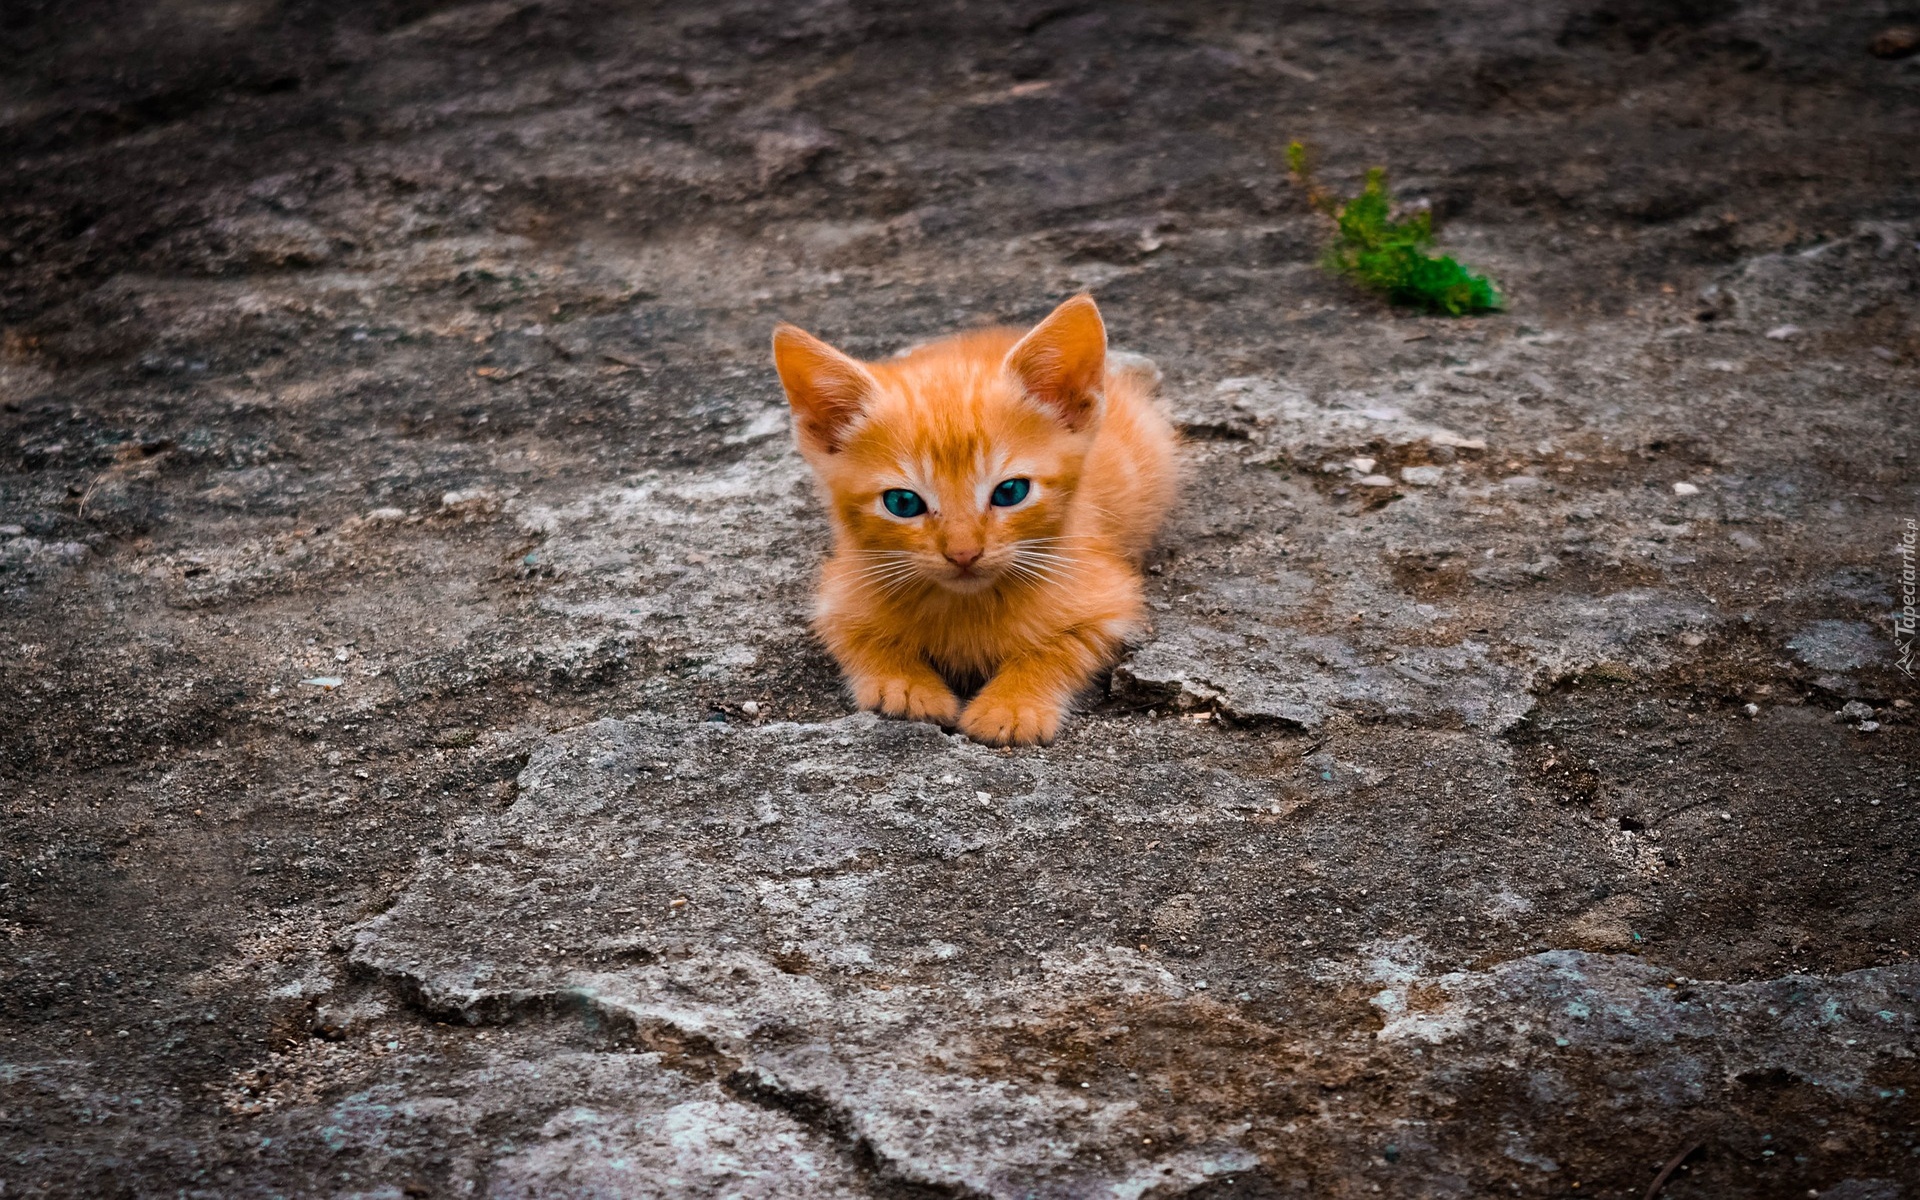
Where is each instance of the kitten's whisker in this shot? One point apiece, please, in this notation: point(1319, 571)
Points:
point(889, 575)
point(1038, 570)
point(889, 586)
point(883, 576)
point(1030, 548)
point(1023, 572)
point(1041, 571)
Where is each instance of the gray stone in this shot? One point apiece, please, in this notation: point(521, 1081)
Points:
point(1839, 645)
point(794, 959)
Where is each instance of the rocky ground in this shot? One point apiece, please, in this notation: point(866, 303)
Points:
point(417, 778)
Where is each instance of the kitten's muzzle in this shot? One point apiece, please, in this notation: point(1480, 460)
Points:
point(966, 573)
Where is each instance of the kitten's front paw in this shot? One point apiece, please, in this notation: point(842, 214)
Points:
point(916, 701)
point(1011, 721)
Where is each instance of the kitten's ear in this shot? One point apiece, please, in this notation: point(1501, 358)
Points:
point(1062, 362)
point(827, 389)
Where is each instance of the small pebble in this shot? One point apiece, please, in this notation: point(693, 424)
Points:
point(1685, 489)
point(326, 682)
point(1753, 710)
point(983, 797)
point(467, 500)
point(1780, 333)
point(750, 707)
point(1868, 727)
point(1374, 481)
point(1422, 476)
point(1363, 465)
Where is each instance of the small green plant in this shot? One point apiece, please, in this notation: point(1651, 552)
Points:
point(1389, 256)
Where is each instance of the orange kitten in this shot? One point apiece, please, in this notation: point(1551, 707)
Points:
point(991, 496)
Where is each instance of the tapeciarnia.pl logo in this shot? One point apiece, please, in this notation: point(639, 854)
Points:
point(1904, 620)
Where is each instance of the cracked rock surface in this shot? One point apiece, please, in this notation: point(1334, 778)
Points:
point(418, 778)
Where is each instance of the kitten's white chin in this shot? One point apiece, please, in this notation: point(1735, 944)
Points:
point(967, 585)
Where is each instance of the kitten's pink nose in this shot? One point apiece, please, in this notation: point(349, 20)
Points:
point(964, 559)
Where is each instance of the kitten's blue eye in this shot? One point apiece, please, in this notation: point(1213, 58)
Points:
point(1010, 492)
point(903, 503)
